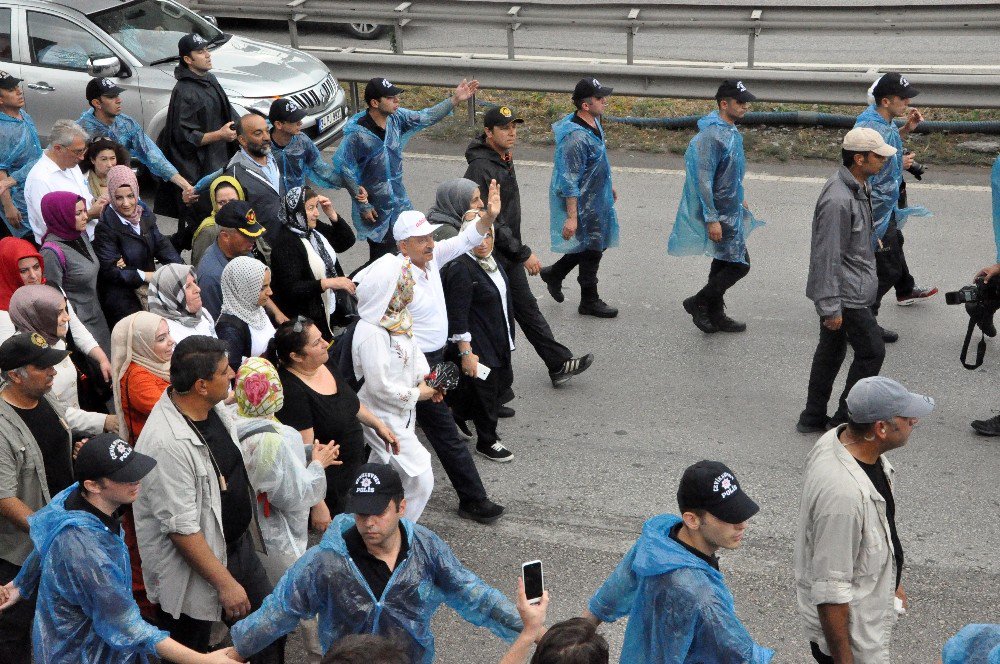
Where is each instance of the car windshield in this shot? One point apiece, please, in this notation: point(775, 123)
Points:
point(150, 29)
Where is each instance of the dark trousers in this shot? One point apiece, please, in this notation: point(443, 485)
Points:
point(818, 654)
point(533, 324)
point(479, 401)
point(588, 261)
point(243, 563)
point(438, 425)
point(722, 276)
point(377, 250)
point(891, 267)
point(189, 217)
point(15, 622)
point(860, 330)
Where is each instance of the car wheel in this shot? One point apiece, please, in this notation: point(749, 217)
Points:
point(365, 30)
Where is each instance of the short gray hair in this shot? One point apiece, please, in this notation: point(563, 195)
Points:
point(5, 376)
point(64, 132)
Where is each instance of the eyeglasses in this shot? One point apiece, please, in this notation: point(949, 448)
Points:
point(300, 324)
point(79, 152)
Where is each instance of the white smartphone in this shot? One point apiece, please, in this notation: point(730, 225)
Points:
point(482, 371)
point(534, 581)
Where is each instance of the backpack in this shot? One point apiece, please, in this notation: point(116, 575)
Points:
point(344, 359)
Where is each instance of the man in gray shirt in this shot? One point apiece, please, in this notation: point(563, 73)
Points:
point(842, 281)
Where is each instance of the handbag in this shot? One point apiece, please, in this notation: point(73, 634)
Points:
point(92, 391)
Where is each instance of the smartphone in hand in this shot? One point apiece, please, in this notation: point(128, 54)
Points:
point(534, 581)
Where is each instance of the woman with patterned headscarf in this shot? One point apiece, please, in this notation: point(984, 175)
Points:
point(128, 243)
point(175, 295)
point(307, 274)
point(243, 323)
point(393, 368)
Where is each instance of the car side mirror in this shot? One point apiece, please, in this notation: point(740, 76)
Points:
point(104, 67)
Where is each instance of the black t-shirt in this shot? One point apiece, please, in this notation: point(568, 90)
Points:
point(368, 123)
point(237, 510)
point(712, 560)
point(375, 571)
point(331, 416)
point(583, 123)
point(876, 473)
point(53, 441)
point(76, 501)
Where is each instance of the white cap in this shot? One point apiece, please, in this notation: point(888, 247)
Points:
point(412, 224)
point(863, 139)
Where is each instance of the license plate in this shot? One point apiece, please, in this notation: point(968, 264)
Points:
point(330, 119)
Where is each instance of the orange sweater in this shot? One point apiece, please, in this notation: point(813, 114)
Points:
point(140, 390)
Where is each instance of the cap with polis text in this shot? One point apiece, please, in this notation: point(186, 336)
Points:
point(865, 139)
point(190, 43)
point(102, 87)
point(711, 486)
point(380, 87)
point(893, 84)
point(500, 116)
point(24, 348)
point(412, 223)
point(8, 82)
point(285, 110)
point(374, 486)
point(731, 89)
point(590, 87)
point(107, 456)
point(240, 216)
point(879, 399)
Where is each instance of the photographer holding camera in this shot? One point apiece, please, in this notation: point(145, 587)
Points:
point(890, 97)
point(981, 300)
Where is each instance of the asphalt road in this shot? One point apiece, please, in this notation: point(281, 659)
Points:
point(597, 457)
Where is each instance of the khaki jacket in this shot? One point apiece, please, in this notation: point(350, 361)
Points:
point(843, 553)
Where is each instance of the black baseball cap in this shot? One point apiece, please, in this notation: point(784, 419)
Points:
point(26, 348)
point(380, 87)
point(285, 110)
point(590, 87)
point(8, 82)
point(103, 87)
point(108, 456)
point(191, 42)
point(500, 116)
point(733, 89)
point(711, 486)
point(374, 485)
point(893, 83)
point(239, 215)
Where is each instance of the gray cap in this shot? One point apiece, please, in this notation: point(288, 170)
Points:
point(879, 399)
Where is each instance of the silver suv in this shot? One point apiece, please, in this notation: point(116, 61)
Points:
point(56, 46)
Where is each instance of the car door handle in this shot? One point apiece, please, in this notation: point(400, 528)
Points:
point(42, 86)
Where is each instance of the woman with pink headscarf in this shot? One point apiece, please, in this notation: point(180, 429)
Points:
point(128, 244)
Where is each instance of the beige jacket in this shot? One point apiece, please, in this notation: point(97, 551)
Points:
point(843, 553)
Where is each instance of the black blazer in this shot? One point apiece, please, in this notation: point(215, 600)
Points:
point(296, 291)
point(235, 333)
point(474, 306)
point(114, 240)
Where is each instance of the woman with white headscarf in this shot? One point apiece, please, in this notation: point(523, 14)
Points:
point(386, 356)
point(243, 324)
point(175, 295)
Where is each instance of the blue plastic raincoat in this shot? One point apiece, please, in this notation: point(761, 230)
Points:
point(127, 132)
point(713, 192)
point(974, 644)
point(364, 159)
point(80, 572)
point(582, 170)
point(885, 183)
point(301, 160)
point(678, 606)
point(325, 581)
point(19, 150)
point(995, 189)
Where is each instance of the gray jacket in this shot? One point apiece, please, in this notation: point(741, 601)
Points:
point(268, 203)
point(842, 258)
point(22, 475)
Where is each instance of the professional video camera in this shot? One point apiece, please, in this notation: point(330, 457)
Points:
point(981, 300)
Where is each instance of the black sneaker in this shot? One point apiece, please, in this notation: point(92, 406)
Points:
point(810, 427)
point(699, 314)
point(990, 427)
point(888, 336)
point(597, 308)
point(484, 511)
point(495, 452)
point(554, 285)
point(724, 323)
point(570, 368)
point(505, 411)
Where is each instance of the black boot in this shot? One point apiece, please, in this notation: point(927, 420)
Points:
point(722, 322)
point(990, 427)
point(553, 283)
point(592, 305)
point(699, 314)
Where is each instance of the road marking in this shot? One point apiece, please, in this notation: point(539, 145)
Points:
point(753, 176)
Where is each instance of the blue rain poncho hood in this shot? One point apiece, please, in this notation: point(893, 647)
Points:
point(885, 183)
point(325, 581)
point(974, 644)
point(581, 170)
point(301, 160)
point(365, 159)
point(714, 165)
point(80, 572)
point(19, 150)
point(694, 619)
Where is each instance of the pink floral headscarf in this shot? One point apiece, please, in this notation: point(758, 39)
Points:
point(258, 389)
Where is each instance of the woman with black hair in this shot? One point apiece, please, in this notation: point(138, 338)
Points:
point(102, 155)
